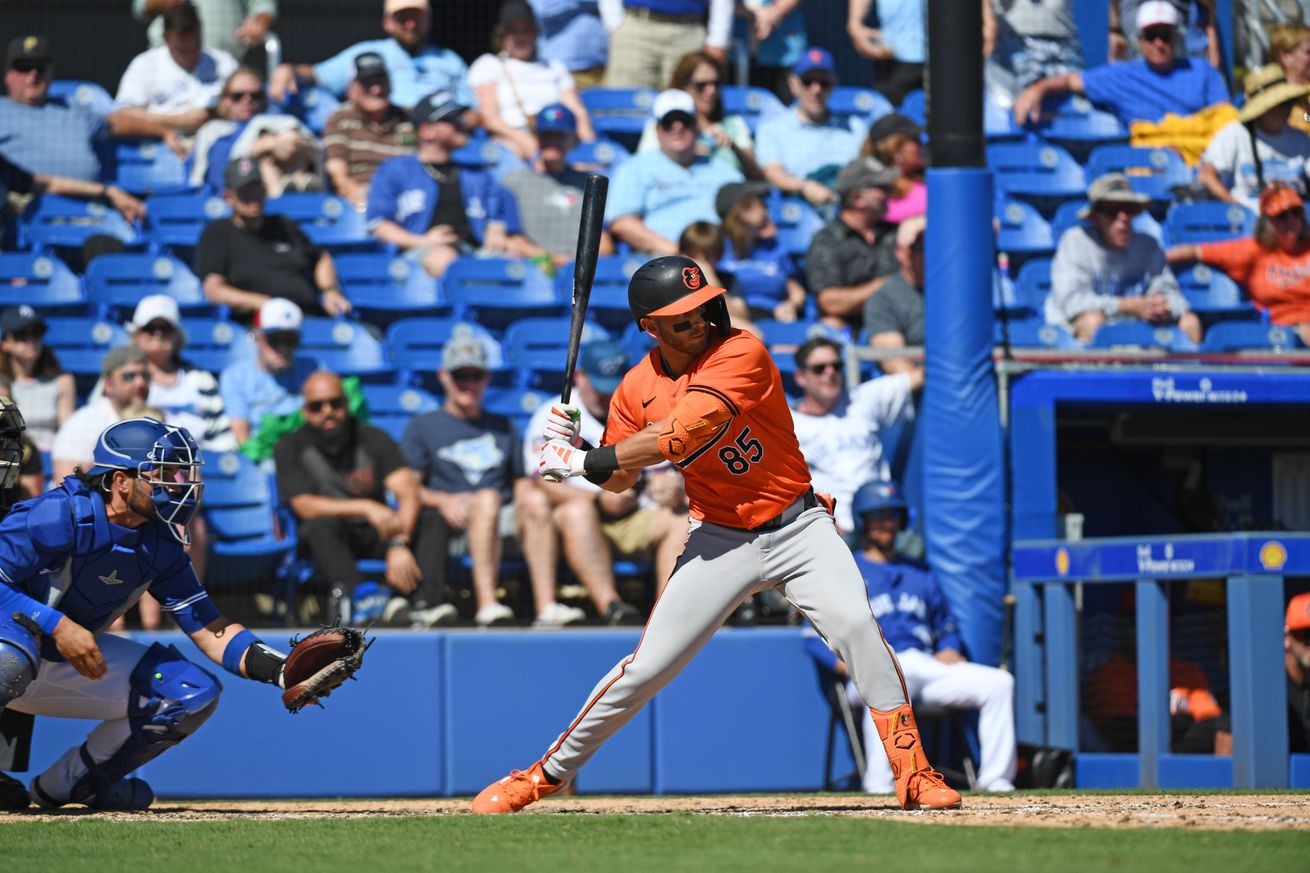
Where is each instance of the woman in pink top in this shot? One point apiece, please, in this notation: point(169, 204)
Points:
point(894, 141)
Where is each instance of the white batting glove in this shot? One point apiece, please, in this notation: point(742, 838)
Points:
point(559, 460)
point(564, 423)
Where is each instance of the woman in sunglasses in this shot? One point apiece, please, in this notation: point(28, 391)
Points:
point(43, 391)
point(723, 137)
point(1273, 264)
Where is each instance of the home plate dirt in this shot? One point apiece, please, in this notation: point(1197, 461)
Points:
point(1208, 812)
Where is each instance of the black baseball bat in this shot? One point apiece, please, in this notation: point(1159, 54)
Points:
point(584, 269)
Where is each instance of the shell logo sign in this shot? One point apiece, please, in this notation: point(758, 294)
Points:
point(1273, 555)
point(1062, 561)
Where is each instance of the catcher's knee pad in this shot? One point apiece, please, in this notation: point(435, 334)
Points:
point(18, 661)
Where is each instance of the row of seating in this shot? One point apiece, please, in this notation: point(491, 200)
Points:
point(1221, 338)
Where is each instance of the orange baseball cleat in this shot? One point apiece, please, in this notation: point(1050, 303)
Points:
point(516, 791)
point(918, 785)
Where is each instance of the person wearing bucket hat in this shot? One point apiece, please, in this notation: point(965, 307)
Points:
point(1273, 264)
point(1260, 147)
point(1104, 270)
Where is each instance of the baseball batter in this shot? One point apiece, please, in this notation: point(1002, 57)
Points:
point(709, 399)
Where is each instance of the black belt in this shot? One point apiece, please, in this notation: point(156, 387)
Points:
point(788, 515)
point(663, 17)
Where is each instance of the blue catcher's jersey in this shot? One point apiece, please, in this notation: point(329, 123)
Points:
point(60, 550)
point(909, 605)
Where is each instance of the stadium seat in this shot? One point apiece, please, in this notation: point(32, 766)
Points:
point(790, 334)
point(914, 106)
point(177, 220)
point(797, 223)
point(383, 288)
point(1207, 221)
point(88, 95)
point(608, 304)
point(213, 343)
point(62, 222)
point(415, 345)
point(495, 292)
point(391, 407)
point(1212, 295)
point(998, 124)
point(636, 341)
point(1231, 336)
point(80, 344)
point(1067, 216)
point(601, 156)
point(1034, 333)
point(620, 113)
point(865, 103)
point(346, 348)
point(232, 479)
point(537, 348)
point(149, 168)
point(1120, 334)
point(1033, 285)
point(326, 219)
point(1154, 172)
point(1006, 300)
point(117, 282)
point(40, 280)
point(753, 104)
point(1023, 232)
point(516, 404)
point(1079, 128)
point(313, 105)
point(480, 152)
point(1044, 175)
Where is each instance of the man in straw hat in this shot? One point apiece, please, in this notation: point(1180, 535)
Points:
point(1260, 147)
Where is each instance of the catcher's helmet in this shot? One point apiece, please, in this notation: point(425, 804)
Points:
point(673, 285)
point(875, 495)
point(168, 454)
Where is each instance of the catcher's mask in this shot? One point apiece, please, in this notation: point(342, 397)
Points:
point(164, 456)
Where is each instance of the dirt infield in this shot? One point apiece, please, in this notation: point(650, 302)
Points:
point(1251, 812)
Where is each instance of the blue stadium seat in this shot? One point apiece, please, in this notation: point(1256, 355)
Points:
point(495, 292)
point(1119, 334)
point(537, 348)
point(1023, 232)
point(383, 287)
point(998, 124)
point(81, 343)
point(313, 105)
point(1232, 336)
point(620, 113)
point(792, 333)
point(1154, 172)
point(1067, 216)
point(213, 343)
point(88, 95)
point(480, 152)
point(326, 219)
point(1079, 127)
point(1033, 285)
point(753, 104)
point(63, 222)
point(177, 220)
point(148, 168)
point(391, 407)
point(797, 223)
point(1208, 221)
point(636, 341)
point(1035, 333)
point(865, 103)
point(516, 404)
point(1044, 175)
point(345, 347)
point(40, 280)
point(117, 282)
point(608, 303)
point(416, 343)
point(1006, 299)
point(1212, 295)
point(602, 156)
point(232, 479)
point(915, 107)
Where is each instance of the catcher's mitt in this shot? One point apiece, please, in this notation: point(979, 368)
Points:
point(320, 662)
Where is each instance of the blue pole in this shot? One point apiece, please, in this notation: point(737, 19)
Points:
point(1257, 681)
point(1152, 680)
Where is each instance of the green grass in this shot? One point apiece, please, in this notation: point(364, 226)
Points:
point(629, 844)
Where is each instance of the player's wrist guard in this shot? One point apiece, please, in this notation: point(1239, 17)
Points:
point(599, 464)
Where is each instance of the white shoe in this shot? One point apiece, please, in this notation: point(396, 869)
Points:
point(493, 615)
point(559, 615)
point(396, 613)
point(434, 616)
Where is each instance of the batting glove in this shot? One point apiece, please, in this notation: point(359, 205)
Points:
point(564, 423)
point(559, 460)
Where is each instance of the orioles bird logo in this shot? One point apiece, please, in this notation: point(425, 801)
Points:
point(691, 277)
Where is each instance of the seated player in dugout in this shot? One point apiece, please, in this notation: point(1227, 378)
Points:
point(709, 399)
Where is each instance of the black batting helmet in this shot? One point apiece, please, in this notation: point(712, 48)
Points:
point(673, 285)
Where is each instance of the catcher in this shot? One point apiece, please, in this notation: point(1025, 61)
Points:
point(75, 558)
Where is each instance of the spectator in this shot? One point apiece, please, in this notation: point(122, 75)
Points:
point(417, 67)
point(893, 317)
point(648, 37)
point(725, 138)
point(916, 622)
point(775, 32)
point(1273, 264)
point(801, 150)
point(43, 391)
point(14, 179)
point(572, 33)
point(1198, 30)
point(1255, 32)
point(1107, 271)
point(513, 85)
point(41, 135)
point(551, 189)
point(1140, 90)
point(894, 141)
point(1026, 41)
point(233, 26)
point(1289, 46)
point(286, 150)
point(655, 195)
point(840, 432)
point(125, 378)
point(595, 525)
point(335, 473)
point(1260, 147)
point(471, 466)
point(268, 381)
point(251, 257)
point(366, 131)
point(765, 274)
point(167, 92)
point(1296, 643)
point(854, 254)
point(896, 47)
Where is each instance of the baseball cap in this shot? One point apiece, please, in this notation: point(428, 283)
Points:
point(514, 11)
point(673, 100)
point(910, 231)
point(1155, 12)
point(120, 356)
point(1112, 188)
point(390, 7)
point(1298, 613)
point(16, 318)
point(369, 65)
point(437, 106)
point(463, 351)
point(279, 315)
point(862, 173)
point(735, 192)
point(154, 307)
point(1278, 198)
point(893, 123)
point(604, 362)
point(815, 58)
point(28, 48)
point(240, 173)
point(558, 117)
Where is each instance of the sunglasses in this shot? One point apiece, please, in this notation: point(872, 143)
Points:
point(701, 87)
point(1288, 214)
point(810, 81)
point(29, 335)
point(818, 369)
point(1301, 636)
point(283, 340)
point(883, 515)
point(673, 118)
point(1114, 210)
point(238, 96)
point(40, 67)
point(469, 374)
point(1158, 34)
point(134, 375)
point(338, 402)
point(159, 328)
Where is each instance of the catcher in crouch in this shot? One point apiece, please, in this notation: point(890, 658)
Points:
point(74, 559)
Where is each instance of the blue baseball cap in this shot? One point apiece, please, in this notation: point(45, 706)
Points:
point(815, 58)
point(557, 117)
point(604, 362)
point(438, 106)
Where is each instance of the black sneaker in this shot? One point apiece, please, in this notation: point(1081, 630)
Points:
point(620, 614)
point(13, 795)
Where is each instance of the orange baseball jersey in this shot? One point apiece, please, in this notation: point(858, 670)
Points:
point(752, 468)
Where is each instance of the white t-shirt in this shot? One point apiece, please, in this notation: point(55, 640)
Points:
point(537, 83)
point(1283, 159)
point(76, 440)
point(843, 449)
point(154, 81)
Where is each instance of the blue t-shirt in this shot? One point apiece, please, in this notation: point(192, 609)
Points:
point(1135, 92)
point(56, 139)
point(456, 455)
point(413, 77)
point(665, 195)
point(251, 392)
point(571, 33)
point(803, 147)
point(403, 192)
point(784, 46)
point(901, 23)
point(762, 274)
